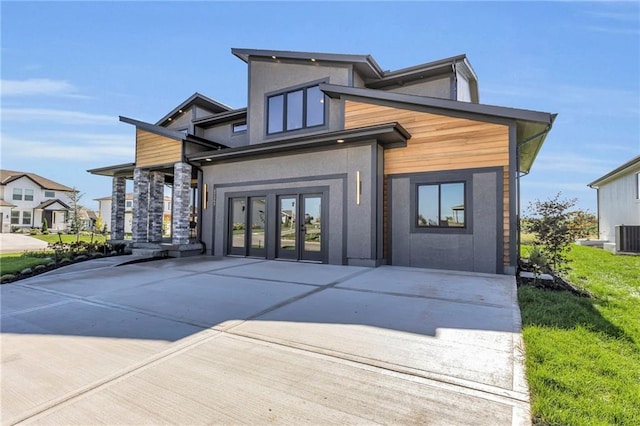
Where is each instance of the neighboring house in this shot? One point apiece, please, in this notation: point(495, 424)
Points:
point(400, 167)
point(27, 199)
point(105, 205)
point(619, 204)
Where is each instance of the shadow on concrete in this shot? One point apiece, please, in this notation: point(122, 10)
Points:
point(170, 307)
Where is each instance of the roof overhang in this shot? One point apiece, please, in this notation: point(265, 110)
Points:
point(223, 117)
point(364, 64)
point(532, 127)
point(120, 170)
point(389, 135)
point(172, 134)
point(51, 205)
point(618, 171)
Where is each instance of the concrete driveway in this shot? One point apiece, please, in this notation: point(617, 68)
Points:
point(234, 340)
point(16, 243)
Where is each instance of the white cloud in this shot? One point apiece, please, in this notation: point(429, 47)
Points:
point(110, 148)
point(38, 86)
point(55, 115)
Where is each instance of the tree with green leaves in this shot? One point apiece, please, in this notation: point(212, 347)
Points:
point(75, 221)
point(551, 222)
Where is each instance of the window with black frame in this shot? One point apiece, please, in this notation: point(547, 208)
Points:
point(441, 205)
point(295, 109)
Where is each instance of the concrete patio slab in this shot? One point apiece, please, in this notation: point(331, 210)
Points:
point(210, 340)
point(16, 243)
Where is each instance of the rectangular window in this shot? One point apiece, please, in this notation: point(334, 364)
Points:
point(638, 186)
point(49, 194)
point(28, 194)
point(128, 204)
point(26, 218)
point(295, 109)
point(441, 205)
point(17, 194)
point(15, 217)
point(240, 127)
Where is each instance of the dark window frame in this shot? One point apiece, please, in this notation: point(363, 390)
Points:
point(234, 127)
point(305, 127)
point(439, 186)
point(440, 178)
point(53, 194)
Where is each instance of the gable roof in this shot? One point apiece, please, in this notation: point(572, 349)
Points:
point(615, 172)
point(49, 203)
point(7, 176)
point(531, 126)
point(197, 99)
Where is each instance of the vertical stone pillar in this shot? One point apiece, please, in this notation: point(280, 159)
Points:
point(118, 194)
point(156, 206)
point(140, 205)
point(180, 217)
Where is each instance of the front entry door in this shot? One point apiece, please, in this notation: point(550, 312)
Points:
point(300, 235)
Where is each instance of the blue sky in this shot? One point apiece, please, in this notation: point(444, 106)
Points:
point(70, 69)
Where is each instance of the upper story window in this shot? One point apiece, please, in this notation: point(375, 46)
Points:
point(28, 194)
point(49, 194)
point(441, 205)
point(17, 194)
point(128, 204)
point(240, 127)
point(295, 109)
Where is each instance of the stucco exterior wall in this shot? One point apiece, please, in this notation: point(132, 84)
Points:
point(478, 249)
point(618, 203)
point(462, 88)
point(38, 198)
point(267, 76)
point(223, 133)
point(437, 88)
point(350, 230)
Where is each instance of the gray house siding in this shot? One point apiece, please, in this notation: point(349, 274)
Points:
point(352, 231)
point(271, 76)
point(436, 88)
point(477, 248)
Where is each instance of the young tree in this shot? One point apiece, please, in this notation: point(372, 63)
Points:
point(99, 225)
point(75, 222)
point(551, 223)
point(45, 226)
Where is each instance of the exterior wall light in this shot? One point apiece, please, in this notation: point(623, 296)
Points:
point(340, 141)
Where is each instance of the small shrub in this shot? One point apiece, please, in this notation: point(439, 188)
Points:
point(45, 227)
point(80, 257)
point(33, 231)
point(538, 260)
point(7, 278)
point(26, 271)
point(39, 268)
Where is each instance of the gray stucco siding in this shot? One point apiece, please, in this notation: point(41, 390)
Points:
point(436, 88)
point(223, 133)
point(477, 248)
point(272, 76)
point(350, 226)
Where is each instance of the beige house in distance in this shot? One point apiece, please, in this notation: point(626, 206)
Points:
point(104, 211)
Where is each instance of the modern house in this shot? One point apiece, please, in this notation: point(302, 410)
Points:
point(335, 160)
point(619, 207)
point(27, 199)
point(104, 211)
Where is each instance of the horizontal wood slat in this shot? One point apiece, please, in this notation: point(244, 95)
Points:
point(439, 143)
point(152, 149)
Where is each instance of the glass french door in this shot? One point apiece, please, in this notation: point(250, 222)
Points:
point(247, 229)
point(299, 233)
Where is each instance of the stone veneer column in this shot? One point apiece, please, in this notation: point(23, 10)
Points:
point(180, 216)
point(118, 194)
point(140, 205)
point(156, 206)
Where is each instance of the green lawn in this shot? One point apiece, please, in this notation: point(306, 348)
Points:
point(15, 262)
point(69, 238)
point(583, 355)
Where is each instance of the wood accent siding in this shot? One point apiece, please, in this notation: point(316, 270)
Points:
point(439, 143)
point(152, 149)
